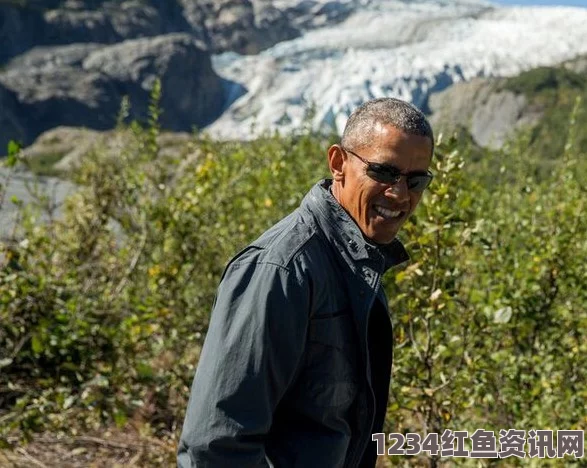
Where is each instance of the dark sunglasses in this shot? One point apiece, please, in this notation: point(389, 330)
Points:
point(388, 174)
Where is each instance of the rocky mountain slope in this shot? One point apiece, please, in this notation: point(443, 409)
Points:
point(488, 112)
point(392, 48)
point(71, 62)
point(229, 65)
point(491, 110)
point(243, 26)
point(83, 84)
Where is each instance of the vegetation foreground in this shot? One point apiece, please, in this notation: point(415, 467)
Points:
point(103, 310)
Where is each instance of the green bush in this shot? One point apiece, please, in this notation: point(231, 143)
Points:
point(103, 311)
point(490, 318)
point(552, 93)
point(541, 79)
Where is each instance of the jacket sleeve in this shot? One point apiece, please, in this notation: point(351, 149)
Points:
point(254, 345)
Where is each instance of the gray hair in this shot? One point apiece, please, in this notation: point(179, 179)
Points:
point(358, 131)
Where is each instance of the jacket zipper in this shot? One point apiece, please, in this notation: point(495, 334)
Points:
point(357, 454)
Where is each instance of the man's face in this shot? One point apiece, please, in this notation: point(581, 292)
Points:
point(380, 209)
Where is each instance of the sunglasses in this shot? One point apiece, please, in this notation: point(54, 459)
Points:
point(388, 174)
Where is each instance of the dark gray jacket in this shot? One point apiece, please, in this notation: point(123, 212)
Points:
point(286, 376)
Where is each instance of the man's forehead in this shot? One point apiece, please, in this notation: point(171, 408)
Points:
point(386, 132)
point(373, 133)
point(387, 140)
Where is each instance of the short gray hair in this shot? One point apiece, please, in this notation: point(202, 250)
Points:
point(358, 131)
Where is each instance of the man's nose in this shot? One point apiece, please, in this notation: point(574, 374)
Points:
point(399, 191)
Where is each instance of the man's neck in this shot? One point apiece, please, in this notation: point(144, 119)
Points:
point(334, 190)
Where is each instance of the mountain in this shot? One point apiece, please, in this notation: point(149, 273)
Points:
point(239, 67)
point(491, 110)
point(71, 62)
point(486, 110)
point(84, 84)
point(244, 26)
point(407, 49)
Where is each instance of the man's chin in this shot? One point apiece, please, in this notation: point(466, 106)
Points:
point(383, 238)
point(384, 232)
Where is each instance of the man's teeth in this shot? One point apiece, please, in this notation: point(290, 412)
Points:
point(386, 213)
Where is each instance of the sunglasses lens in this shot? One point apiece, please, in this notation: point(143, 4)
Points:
point(383, 176)
point(418, 183)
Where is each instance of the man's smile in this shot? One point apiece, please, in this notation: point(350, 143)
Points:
point(391, 215)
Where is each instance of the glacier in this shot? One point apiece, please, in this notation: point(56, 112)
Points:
point(406, 49)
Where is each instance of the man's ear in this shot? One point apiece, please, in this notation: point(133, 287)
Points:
point(337, 161)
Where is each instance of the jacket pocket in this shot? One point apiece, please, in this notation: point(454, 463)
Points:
point(330, 371)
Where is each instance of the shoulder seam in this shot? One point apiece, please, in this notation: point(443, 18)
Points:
point(295, 252)
point(286, 265)
point(262, 262)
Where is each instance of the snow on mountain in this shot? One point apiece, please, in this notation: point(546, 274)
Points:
point(406, 49)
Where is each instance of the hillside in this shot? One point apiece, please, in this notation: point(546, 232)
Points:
point(405, 49)
point(492, 110)
point(118, 220)
point(231, 66)
point(71, 62)
point(104, 308)
point(244, 26)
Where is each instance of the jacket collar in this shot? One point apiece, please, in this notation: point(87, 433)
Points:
point(342, 231)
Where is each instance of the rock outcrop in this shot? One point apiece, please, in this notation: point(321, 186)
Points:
point(34, 24)
point(69, 146)
point(83, 85)
point(489, 113)
point(11, 125)
point(69, 62)
point(243, 26)
point(249, 26)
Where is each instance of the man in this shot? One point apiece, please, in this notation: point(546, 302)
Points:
point(296, 365)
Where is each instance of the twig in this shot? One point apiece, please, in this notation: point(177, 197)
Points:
point(136, 457)
point(413, 340)
point(30, 458)
point(134, 261)
point(90, 440)
point(20, 344)
point(7, 417)
point(4, 460)
point(145, 444)
point(108, 443)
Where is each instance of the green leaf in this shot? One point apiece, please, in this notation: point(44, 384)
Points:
point(13, 148)
point(11, 160)
point(120, 419)
point(36, 344)
point(144, 371)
